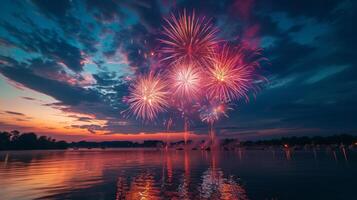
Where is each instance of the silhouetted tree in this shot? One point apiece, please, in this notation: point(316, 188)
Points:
point(27, 141)
point(24, 141)
point(5, 140)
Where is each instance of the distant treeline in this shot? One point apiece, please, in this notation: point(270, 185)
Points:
point(316, 140)
point(116, 144)
point(15, 140)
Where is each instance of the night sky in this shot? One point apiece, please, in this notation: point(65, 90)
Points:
point(66, 65)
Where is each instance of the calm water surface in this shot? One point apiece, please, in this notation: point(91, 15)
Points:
point(152, 174)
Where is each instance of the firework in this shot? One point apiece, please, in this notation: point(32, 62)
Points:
point(210, 113)
point(185, 82)
point(148, 97)
point(203, 76)
point(231, 76)
point(188, 38)
point(213, 111)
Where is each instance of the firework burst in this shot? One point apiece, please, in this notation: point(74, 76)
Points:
point(188, 38)
point(213, 111)
point(148, 97)
point(232, 75)
point(185, 82)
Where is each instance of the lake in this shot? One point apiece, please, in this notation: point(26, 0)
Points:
point(154, 174)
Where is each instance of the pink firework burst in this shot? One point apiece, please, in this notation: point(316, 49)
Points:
point(232, 75)
point(148, 97)
point(185, 82)
point(188, 38)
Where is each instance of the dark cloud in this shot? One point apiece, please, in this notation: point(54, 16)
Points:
point(71, 95)
point(136, 43)
point(91, 128)
point(295, 28)
point(342, 36)
point(55, 8)
point(48, 43)
point(319, 9)
point(5, 43)
point(29, 98)
point(148, 11)
point(286, 54)
point(85, 119)
point(82, 119)
point(209, 7)
point(21, 119)
point(62, 12)
point(14, 113)
point(10, 127)
point(105, 10)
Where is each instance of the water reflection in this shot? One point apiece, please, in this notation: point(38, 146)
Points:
point(216, 186)
point(142, 187)
point(343, 149)
point(151, 174)
point(183, 188)
point(211, 185)
point(6, 159)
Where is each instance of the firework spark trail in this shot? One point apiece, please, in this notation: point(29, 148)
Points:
point(231, 76)
point(148, 97)
point(168, 123)
point(211, 134)
point(186, 132)
point(188, 38)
